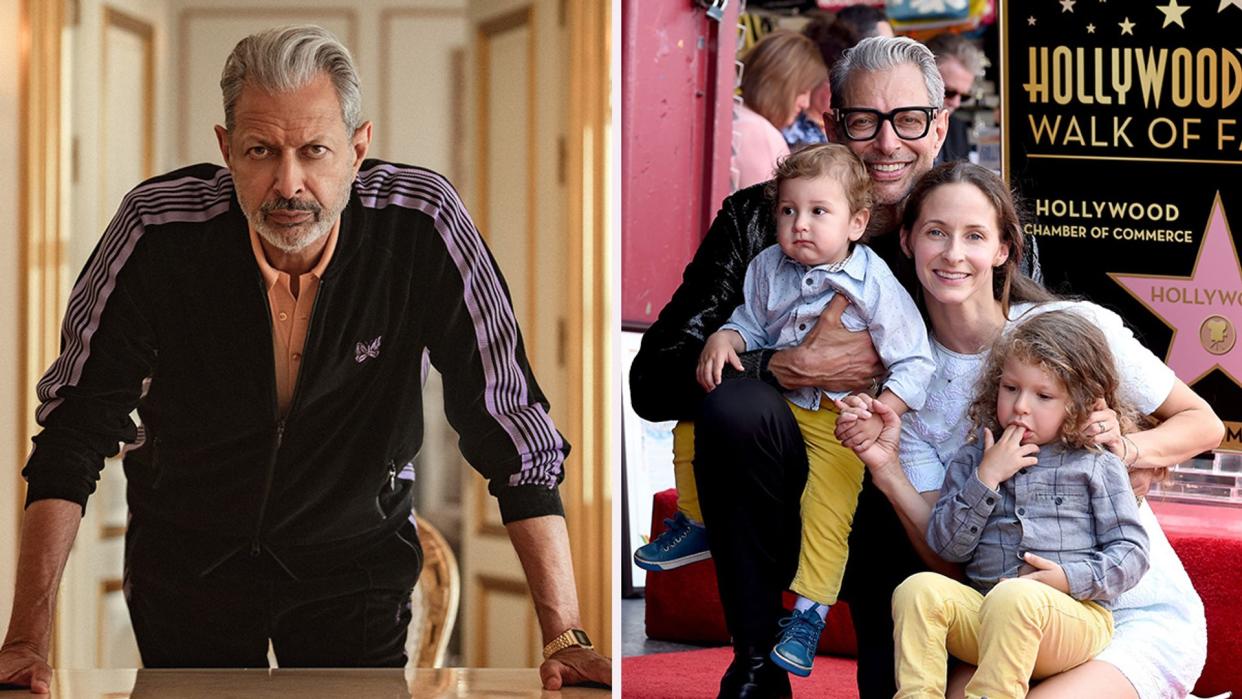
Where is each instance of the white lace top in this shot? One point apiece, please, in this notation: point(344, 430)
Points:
point(1160, 641)
point(931, 436)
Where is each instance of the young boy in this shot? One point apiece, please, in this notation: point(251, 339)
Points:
point(823, 196)
point(1044, 520)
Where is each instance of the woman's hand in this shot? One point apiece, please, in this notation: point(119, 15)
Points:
point(1141, 480)
point(857, 426)
point(1104, 427)
point(880, 455)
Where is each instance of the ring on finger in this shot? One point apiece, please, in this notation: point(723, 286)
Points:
point(1099, 426)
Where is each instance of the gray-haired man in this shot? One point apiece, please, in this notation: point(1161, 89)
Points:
point(749, 458)
point(268, 321)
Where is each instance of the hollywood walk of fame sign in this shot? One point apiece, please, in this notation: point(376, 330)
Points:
point(1122, 129)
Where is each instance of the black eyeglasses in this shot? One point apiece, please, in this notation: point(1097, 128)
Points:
point(954, 94)
point(909, 123)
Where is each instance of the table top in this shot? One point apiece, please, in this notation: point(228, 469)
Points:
point(304, 684)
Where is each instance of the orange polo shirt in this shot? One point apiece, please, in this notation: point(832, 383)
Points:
point(290, 314)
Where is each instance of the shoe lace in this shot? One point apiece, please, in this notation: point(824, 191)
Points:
point(803, 627)
point(678, 528)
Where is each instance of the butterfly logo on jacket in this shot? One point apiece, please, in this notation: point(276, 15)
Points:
point(367, 350)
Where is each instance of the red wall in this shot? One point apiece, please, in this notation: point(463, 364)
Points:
point(677, 68)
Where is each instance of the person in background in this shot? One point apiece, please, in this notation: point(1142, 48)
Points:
point(832, 38)
point(865, 21)
point(959, 61)
point(779, 73)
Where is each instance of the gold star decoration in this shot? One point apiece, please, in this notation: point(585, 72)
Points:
point(1228, 3)
point(1030, 21)
point(1127, 27)
point(1173, 14)
point(1090, 28)
point(1068, 5)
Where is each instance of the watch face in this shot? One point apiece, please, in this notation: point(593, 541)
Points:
point(581, 637)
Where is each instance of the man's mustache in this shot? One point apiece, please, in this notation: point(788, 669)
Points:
point(284, 204)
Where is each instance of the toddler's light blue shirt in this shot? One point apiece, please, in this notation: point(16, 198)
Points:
point(784, 298)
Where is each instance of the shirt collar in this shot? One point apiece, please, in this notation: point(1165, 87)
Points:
point(855, 267)
point(271, 275)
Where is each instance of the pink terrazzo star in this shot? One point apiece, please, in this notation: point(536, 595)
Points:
point(1195, 304)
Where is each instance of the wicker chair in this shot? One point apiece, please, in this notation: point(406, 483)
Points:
point(434, 600)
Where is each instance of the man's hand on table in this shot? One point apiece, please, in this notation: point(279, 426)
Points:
point(830, 356)
point(21, 666)
point(575, 665)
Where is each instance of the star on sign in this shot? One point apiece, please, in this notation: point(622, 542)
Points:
point(1173, 14)
point(1188, 305)
point(1229, 3)
point(1090, 28)
point(1127, 27)
point(1068, 5)
point(1030, 21)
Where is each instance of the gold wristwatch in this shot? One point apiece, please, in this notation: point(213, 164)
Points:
point(569, 639)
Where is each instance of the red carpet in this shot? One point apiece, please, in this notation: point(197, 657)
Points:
point(696, 674)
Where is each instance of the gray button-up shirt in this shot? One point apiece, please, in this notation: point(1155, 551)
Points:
point(1074, 507)
point(783, 300)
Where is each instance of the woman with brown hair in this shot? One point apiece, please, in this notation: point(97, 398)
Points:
point(962, 232)
point(778, 76)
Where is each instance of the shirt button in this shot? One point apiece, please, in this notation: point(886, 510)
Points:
point(809, 282)
point(1022, 471)
point(282, 315)
point(974, 529)
point(1058, 501)
point(297, 356)
point(990, 501)
point(1021, 510)
point(802, 326)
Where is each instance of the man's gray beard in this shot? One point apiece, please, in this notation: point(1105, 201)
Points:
point(303, 235)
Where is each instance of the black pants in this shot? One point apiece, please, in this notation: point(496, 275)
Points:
point(750, 466)
point(354, 616)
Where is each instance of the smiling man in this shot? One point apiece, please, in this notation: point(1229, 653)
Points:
point(269, 320)
point(889, 109)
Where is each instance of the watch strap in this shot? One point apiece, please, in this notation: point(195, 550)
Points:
point(569, 639)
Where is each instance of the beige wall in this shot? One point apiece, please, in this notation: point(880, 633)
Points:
point(381, 36)
point(10, 420)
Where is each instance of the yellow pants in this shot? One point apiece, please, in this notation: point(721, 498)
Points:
point(828, 502)
point(683, 471)
point(1022, 629)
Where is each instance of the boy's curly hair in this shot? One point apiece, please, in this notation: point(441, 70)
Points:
point(1070, 348)
point(826, 159)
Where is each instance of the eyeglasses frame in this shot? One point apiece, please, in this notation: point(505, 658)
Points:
point(839, 115)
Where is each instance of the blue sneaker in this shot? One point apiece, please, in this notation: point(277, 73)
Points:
point(682, 543)
point(795, 651)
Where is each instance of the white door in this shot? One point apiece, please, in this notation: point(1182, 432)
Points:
point(516, 196)
point(110, 95)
